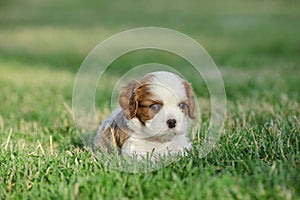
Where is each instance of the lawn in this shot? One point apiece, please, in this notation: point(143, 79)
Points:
point(256, 46)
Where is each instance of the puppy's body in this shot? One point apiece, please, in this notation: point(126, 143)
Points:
point(113, 132)
point(153, 118)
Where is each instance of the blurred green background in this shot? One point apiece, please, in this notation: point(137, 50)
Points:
point(242, 37)
point(59, 34)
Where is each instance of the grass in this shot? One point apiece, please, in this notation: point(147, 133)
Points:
point(256, 46)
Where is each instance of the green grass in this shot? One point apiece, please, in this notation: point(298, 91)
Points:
point(256, 46)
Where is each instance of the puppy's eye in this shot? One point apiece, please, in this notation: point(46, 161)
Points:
point(182, 106)
point(155, 107)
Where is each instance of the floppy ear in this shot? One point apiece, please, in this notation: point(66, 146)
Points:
point(190, 101)
point(127, 99)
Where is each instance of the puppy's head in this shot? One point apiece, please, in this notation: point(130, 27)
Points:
point(161, 103)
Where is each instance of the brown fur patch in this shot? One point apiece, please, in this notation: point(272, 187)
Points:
point(126, 99)
point(190, 101)
point(135, 100)
point(144, 112)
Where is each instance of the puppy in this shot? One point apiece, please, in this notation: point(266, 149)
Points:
point(153, 117)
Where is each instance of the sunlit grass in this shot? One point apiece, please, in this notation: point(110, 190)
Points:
point(41, 147)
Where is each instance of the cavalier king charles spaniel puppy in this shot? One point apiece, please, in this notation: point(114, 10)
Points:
point(153, 117)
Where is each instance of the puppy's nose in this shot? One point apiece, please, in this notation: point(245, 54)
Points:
point(171, 123)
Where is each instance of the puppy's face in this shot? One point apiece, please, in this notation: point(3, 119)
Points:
point(161, 103)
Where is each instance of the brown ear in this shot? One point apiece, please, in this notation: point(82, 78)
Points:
point(190, 101)
point(127, 99)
